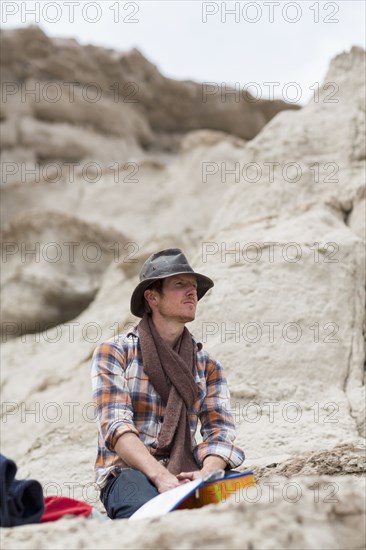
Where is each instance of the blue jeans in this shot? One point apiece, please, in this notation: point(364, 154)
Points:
point(126, 493)
point(131, 489)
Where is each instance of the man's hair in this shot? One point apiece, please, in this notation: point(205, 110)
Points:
point(156, 285)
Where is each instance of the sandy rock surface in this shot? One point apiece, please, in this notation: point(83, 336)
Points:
point(276, 218)
point(53, 265)
point(151, 103)
point(330, 516)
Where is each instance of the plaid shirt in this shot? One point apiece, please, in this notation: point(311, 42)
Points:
point(126, 401)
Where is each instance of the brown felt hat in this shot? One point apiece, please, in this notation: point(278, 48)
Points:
point(161, 265)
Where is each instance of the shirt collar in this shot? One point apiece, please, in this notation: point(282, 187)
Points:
point(134, 332)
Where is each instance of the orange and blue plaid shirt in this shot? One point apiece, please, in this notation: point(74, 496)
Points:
point(126, 401)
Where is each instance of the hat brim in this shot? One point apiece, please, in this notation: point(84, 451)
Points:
point(137, 299)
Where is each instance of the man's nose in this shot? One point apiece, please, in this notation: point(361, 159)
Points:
point(192, 290)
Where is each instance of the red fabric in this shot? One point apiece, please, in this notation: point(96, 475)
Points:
point(56, 507)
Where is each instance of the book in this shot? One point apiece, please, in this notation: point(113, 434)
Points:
point(211, 489)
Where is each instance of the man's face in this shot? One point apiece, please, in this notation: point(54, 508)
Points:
point(178, 299)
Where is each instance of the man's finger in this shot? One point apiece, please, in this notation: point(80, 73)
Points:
point(189, 476)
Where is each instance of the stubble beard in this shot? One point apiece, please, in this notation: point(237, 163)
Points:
point(180, 318)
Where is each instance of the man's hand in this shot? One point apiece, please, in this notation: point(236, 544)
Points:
point(190, 476)
point(134, 453)
point(164, 481)
point(210, 464)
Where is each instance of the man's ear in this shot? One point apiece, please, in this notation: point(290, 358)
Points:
point(149, 295)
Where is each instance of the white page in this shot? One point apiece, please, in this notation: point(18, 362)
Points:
point(165, 502)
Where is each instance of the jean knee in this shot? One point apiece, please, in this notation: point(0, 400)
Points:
point(131, 490)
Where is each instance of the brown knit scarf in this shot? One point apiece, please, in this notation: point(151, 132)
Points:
point(171, 372)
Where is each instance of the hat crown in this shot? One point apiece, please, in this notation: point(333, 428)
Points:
point(164, 264)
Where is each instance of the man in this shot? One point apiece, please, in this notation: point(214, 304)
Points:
point(151, 386)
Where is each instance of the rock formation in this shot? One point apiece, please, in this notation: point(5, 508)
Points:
point(52, 267)
point(135, 99)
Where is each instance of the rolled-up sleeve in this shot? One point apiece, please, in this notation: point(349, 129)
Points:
point(217, 423)
point(111, 395)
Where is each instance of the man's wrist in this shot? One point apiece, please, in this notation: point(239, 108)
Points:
point(155, 471)
point(213, 462)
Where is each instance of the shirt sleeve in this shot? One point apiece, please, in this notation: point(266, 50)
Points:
point(217, 423)
point(111, 395)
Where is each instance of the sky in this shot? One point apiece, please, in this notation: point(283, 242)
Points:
point(275, 49)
